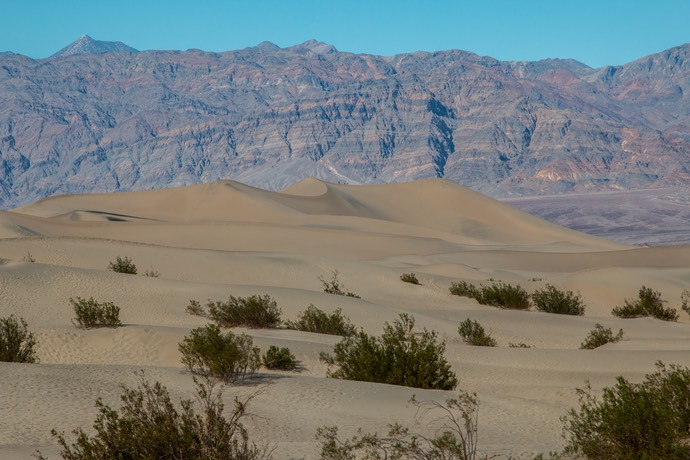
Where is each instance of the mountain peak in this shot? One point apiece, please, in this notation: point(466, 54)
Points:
point(315, 46)
point(87, 45)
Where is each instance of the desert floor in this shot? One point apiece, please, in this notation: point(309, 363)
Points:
point(212, 241)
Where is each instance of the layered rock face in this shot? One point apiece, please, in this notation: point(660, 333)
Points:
point(126, 120)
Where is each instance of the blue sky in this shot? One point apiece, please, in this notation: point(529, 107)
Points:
point(603, 32)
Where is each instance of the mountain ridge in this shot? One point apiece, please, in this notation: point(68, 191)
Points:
point(271, 116)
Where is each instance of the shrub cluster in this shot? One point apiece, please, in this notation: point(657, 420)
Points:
point(316, 320)
point(254, 311)
point(208, 352)
point(648, 303)
point(398, 357)
point(123, 265)
point(334, 287)
point(648, 420)
point(95, 314)
point(600, 336)
point(148, 425)
point(498, 294)
point(195, 308)
point(552, 300)
point(409, 278)
point(16, 342)
point(279, 358)
point(473, 333)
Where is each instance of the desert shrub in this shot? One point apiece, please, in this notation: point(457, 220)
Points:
point(334, 287)
point(254, 311)
point(208, 352)
point(195, 308)
point(279, 358)
point(519, 345)
point(464, 289)
point(685, 301)
point(148, 425)
point(648, 420)
point(409, 278)
point(123, 265)
point(504, 295)
point(152, 273)
point(316, 320)
point(28, 258)
point(95, 314)
point(398, 357)
point(552, 300)
point(456, 438)
point(498, 294)
point(473, 333)
point(599, 336)
point(16, 342)
point(648, 303)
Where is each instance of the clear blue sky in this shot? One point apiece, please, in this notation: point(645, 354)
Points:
point(602, 32)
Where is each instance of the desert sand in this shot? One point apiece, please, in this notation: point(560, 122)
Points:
point(215, 240)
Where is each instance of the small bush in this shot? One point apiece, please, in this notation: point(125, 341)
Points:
point(409, 278)
point(498, 294)
point(208, 352)
point(600, 336)
point(519, 345)
point(254, 311)
point(123, 265)
point(473, 333)
point(28, 258)
point(279, 358)
point(148, 425)
point(552, 300)
point(685, 301)
point(334, 287)
point(316, 320)
point(195, 308)
point(95, 314)
point(465, 289)
point(398, 357)
point(631, 421)
point(16, 342)
point(648, 303)
point(455, 439)
point(152, 273)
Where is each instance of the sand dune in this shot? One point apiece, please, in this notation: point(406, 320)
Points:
point(211, 241)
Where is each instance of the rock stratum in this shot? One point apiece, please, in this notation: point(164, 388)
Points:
point(104, 117)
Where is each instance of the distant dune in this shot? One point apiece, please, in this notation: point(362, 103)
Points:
point(215, 240)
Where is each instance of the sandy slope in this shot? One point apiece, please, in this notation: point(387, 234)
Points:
point(210, 241)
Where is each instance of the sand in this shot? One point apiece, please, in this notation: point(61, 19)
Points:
point(212, 241)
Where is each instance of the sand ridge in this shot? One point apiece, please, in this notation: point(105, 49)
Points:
point(215, 240)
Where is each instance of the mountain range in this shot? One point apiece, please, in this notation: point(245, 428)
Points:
point(101, 116)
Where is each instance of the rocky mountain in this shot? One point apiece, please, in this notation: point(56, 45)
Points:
point(270, 116)
point(87, 45)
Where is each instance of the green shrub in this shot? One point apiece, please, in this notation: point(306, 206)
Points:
point(398, 357)
point(95, 314)
point(334, 287)
point(498, 294)
point(685, 301)
point(195, 308)
point(279, 358)
point(316, 320)
point(648, 303)
point(631, 421)
point(552, 300)
point(465, 289)
point(409, 278)
point(473, 333)
point(254, 311)
point(148, 425)
point(208, 352)
point(455, 439)
point(123, 265)
point(16, 342)
point(600, 336)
